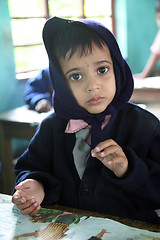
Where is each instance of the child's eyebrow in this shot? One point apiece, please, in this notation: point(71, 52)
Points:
point(71, 70)
point(103, 61)
point(96, 63)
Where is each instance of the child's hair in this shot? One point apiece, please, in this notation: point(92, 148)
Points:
point(157, 6)
point(74, 35)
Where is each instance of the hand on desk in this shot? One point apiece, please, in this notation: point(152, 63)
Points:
point(112, 156)
point(43, 106)
point(28, 196)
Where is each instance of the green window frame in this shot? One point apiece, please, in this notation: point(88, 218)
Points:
point(29, 16)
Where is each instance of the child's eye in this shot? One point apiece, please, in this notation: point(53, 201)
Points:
point(102, 70)
point(76, 76)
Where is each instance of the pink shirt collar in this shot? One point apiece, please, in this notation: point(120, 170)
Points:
point(74, 126)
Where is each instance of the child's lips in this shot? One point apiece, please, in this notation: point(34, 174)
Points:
point(95, 100)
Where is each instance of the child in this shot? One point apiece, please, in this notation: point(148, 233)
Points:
point(98, 151)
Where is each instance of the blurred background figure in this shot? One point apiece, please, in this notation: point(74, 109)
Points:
point(38, 92)
point(155, 49)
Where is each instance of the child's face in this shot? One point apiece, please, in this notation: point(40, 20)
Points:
point(91, 78)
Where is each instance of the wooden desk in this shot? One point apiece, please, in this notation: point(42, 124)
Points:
point(146, 90)
point(18, 123)
point(128, 222)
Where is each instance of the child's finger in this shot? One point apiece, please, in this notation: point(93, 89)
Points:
point(17, 198)
point(117, 164)
point(111, 160)
point(34, 212)
point(23, 185)
point(22, 196)
point(102, 145)
point(26, 204)
point(30, 209)
point(110, 151)
point(25, 188)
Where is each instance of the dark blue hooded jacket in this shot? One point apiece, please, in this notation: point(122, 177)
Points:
point(49, 157)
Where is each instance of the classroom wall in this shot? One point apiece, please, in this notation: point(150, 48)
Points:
point(11, 91)
point(136, 29)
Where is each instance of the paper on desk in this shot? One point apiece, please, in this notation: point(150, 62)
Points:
point(75, 227)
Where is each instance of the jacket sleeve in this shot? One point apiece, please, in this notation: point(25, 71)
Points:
point(37, 88)
point(142, 181)
point(37, 162)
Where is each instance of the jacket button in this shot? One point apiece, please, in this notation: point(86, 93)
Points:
point(85, 191)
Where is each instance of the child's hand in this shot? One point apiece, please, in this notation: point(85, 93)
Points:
point(28, 196)
point(112, 156)
point(43, 105)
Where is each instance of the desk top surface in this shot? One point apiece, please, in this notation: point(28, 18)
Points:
point(23, 115)
point(150, 82)
point(128, 222)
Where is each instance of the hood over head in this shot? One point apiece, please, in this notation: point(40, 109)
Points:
point(65, 104)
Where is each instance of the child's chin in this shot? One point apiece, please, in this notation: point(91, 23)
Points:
point(96, 111)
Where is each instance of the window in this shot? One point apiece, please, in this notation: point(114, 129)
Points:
point(27, 21)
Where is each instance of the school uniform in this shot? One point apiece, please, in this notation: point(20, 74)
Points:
point(49, 159)
point(53, 155)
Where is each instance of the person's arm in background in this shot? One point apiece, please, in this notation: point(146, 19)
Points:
point(149, 67)
point(38, 92)
point(155, 53)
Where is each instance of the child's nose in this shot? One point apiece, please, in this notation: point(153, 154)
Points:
point(93, 84)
